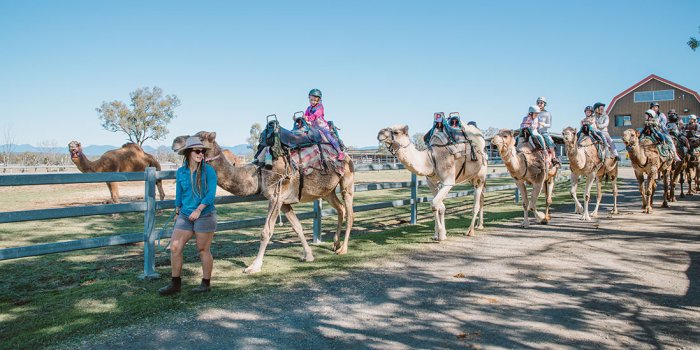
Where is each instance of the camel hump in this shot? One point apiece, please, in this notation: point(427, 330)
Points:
point(132, 146)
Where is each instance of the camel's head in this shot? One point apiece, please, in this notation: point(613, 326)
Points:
point(394, 137)
point(569, 135)
point(208, 139)
point(75, 149)
point(503, 140)
point(630, 137)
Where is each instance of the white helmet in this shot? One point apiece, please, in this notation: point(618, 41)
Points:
point(533, 109)
point(693, 117)
point(542, 99)
point(651, 113)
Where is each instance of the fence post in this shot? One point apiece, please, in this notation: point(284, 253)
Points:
point(414, 198)
point(517, 195)
point(149, 220)
point(317, 220)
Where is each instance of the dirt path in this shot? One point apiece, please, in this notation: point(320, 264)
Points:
point(632, 281)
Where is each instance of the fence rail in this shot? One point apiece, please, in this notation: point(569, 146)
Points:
point(150, 205)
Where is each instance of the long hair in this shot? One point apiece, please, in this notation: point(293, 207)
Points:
point(196, 185)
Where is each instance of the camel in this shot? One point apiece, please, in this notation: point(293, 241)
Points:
point(527, 166)
point(584, 161)
point(281, 186)
point(646, 160)
point(693, 166)
point(129, 158)
point(442, 171)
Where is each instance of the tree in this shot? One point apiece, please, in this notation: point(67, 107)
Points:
point(490, 132)
point(254, 138)
point(419, 142)
point(8, 140)
point(148, 117)
point(48, 152)
point(693, 42)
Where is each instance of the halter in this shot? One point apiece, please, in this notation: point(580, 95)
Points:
point(392, 148)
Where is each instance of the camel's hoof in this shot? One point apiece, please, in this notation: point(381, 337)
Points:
point(305, 259)
point(470, 233)
point(664, 205)
point(341, 251)
point(525, 224)
point(544, 221)
point(336, 247)
point(614, 212)
point(251, 270)
point(594, 214)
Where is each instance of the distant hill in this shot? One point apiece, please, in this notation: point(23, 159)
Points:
point(96, 150)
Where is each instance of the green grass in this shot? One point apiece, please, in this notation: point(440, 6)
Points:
point(62, 297)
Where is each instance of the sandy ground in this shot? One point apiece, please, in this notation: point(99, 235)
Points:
point(629, 281)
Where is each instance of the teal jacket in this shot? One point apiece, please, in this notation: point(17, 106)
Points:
point(186, 198)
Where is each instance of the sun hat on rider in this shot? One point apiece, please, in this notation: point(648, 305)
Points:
point(533, 109)
point(650, 113)
point(598, 104)
point(541, 99)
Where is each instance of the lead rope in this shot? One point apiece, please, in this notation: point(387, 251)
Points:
point(164, 229)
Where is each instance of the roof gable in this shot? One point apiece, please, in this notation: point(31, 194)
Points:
point(644, 81)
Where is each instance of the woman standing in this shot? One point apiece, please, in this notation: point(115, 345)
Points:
point(196, 215)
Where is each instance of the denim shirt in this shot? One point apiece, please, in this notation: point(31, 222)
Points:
point(185, 197)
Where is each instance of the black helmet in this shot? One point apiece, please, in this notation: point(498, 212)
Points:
point(653, 104)
point(588, 108)
point(598, 104)
point(673, 118)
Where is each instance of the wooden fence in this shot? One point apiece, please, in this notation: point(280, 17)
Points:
point(149, 206)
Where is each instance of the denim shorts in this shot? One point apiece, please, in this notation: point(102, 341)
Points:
point(205, 223)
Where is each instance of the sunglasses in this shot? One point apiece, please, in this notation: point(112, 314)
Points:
point(198, 151)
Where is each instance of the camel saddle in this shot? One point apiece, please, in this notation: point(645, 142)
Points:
point(451, 135)
point(599, 146)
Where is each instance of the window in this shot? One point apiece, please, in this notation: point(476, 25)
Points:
point(623, 120)
point(649, 96)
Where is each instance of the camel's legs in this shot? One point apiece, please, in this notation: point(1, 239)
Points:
point(333, 200)
point(113, 191)
point(642, 190)
point(298, 229)
point(587, 196)
point(526, 204)
point(667, 188)
point(578, 209)
point(599, 194)
point(273, 211)
point(159, 184)
point(549, 191)
point(536, 190)
point(478, 191)
point(348, 192)
point(613, 179)
point(439, 211)
point(480, 226)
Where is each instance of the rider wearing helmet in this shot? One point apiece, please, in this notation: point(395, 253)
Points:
point(589, 120)
point(315, 117)
point(602, 121)
point(545, 122)
point(531, 123)
point(663, 120)
point(674, 129)
point(692, 124)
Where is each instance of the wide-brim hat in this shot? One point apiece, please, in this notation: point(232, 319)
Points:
point(192, 142)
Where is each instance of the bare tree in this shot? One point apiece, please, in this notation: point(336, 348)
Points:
point(419, 142)
point(490, 132)
point(8, 140)
point(254, 137)
point(48, 151)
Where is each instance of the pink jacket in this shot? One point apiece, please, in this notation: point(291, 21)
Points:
point(530, 122)
point(315, 116)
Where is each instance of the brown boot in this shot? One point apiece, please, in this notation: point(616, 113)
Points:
point(172, 288)
point(202, 288)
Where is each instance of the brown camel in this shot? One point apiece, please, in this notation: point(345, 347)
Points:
point(281, 186)
point(584, 161)
point(443, 170)
point(527, 166)
point(646, 160)
point(693, 166)
point(129, 158)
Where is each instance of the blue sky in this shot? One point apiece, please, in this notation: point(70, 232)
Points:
point(378, 63)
